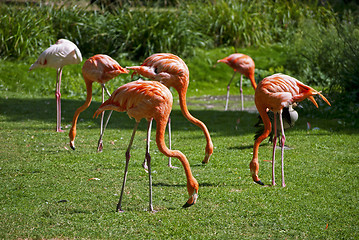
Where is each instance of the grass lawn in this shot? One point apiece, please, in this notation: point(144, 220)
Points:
point(46, 191)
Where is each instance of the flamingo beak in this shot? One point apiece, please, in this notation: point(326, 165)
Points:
point(72, 145)
point(191, 201)
point(206, 158)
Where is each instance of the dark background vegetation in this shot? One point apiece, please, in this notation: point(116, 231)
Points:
point(318, 40)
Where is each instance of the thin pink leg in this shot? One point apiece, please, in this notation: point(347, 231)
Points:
point(58, 100)
point(100, 143)
point(274, 146)
point(170, 142)
point(148, 159)
point(228, 86)
point(128, 156)
point(241, 91)
point(282, 146)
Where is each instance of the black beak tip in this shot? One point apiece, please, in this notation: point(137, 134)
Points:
point(260, 182)
point(186, 205)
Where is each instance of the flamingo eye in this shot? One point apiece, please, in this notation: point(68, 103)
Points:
point(155, 70)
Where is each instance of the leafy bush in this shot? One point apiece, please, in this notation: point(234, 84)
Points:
point(23, 31)
point(136, 32)
point(327, 56)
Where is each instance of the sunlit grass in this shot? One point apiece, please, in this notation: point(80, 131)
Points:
point(46, 191)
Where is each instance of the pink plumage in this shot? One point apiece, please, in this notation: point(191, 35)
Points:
point(62, 53)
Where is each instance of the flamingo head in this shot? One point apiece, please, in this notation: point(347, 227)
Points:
point(192, 187)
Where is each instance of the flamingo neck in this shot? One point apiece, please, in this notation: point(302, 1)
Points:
point(72, 133)
point(160, 134)
point(186, 113)
point(253, 80)
point(265, 134)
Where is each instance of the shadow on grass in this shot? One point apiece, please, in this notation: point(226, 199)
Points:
point(44, 109)
point(219, 122)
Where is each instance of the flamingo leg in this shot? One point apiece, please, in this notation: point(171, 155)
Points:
point(282, 145)
point(58, 100)
point(274, 147)
point(100, 143)
point(241, 91)
point(148, 159)
point(128, 155)
point(170, 142)
point(228, 86)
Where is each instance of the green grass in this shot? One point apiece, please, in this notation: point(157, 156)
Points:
point(46, 192)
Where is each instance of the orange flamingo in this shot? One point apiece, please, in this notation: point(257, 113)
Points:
point(62, 53)
point(245, 66)
point(172, 71)
point(149, 100)
point(99, 68)
point(274, 93)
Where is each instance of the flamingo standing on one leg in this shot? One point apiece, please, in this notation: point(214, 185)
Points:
point(274, 93)
point(149, 100)
point(245, 66)
point(99, 68)
point(172, 71)
point(62, 53)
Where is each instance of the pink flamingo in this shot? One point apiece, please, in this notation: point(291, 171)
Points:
point(149, 100)
point(245, 66)
point(99, 68)
point(62, 53)
point(172, 71)
point(274, 93)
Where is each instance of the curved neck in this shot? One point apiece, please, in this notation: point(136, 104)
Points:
point(160, 134)
point(265, 134)
point(87, 103)
point(253, 80)
point(185, 112)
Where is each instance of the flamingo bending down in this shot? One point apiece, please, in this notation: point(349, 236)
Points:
point(172, 71)
point(245, 66)
point(289, 116)
point(149, 100)
point(62, 53)
point(99, 68)
point(274, 93)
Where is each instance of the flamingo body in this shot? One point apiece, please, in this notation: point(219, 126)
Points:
point(99, 68)
point(172, 71)
point(62, 53)
point(245, 66)
point(274, 93)
point(149, 100)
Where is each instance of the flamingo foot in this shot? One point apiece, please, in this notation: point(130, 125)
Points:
point(99, 146)
point(150, 208)
point(59, 130)
point(144, 165)
point(119, 209)
point(171, 166)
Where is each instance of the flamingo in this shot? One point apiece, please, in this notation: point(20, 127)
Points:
point(172, 71)
point(289, 116)
point(245, 66)
point(149, 100)
point(99, 68)
point(63, 52)
point(274, 93)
